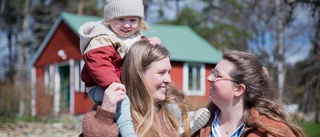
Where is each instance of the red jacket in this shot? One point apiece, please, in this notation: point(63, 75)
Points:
point(102, 53)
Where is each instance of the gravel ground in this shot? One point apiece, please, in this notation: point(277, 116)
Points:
point(69, 126)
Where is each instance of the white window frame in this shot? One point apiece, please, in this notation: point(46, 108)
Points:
point(49, 79)
point(194, 91)
point(79, 85)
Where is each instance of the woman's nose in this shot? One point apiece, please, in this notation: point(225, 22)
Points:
point(168, 79)
point(209, 78)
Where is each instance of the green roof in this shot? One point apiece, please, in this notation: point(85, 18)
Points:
point(184, 44)
point(76, 20)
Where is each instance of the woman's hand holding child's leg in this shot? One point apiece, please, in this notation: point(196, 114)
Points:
point(112, 95)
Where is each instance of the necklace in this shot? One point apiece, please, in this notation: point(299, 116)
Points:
point(227, 131)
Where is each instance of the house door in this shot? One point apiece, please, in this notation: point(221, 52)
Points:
point(64, 73)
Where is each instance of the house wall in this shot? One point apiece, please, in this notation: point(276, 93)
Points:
point(197, 102)
point(82, 103)
point(44, 101)
point(62, 39)
point(177, 74)
point(177, 77)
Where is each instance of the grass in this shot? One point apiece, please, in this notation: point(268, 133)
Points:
point(311, 129)
point(15, 119)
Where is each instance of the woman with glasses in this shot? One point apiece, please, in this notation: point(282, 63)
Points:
point(244, 102)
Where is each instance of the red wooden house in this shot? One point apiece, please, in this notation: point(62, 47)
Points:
point(56, 66)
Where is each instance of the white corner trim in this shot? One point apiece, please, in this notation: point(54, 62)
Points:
point(33, 92)
point(72, 85)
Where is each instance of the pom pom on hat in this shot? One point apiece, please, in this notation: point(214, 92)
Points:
point(120, 8)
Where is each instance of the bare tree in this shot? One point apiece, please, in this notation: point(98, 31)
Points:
point(224, 24)
point(311, 97)
point(9, 20)
point(279, 52)
point(271, 25)
point(25, 29)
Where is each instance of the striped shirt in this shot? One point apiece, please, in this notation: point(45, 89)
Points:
point(215, 130)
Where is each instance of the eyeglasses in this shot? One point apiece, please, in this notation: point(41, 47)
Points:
point(216, 77)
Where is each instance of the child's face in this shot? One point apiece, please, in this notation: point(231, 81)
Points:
point(125, 26)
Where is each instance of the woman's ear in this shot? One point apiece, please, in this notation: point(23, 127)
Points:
point(240, 90)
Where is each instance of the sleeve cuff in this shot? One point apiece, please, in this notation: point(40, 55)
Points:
point(105, 116)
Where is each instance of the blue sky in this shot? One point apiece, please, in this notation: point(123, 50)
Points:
point(299, 34)
point(297, 43)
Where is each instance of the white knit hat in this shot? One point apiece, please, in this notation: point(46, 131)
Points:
point(120, 8)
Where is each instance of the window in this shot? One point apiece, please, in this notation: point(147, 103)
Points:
point(49, 79)
point(194, 79)
point(79, 85)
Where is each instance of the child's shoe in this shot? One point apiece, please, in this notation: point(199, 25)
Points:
point(198, 119)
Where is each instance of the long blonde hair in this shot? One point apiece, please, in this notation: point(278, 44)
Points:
point(173, 96)
point(143, 108)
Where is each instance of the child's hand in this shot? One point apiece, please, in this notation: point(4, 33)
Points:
point(154, 40)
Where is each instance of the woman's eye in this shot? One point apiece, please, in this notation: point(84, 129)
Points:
point(162, 73)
